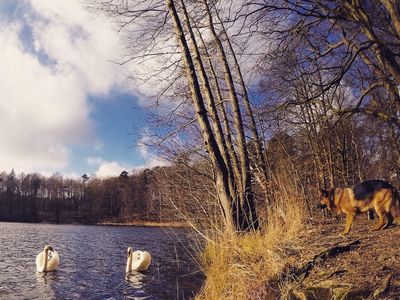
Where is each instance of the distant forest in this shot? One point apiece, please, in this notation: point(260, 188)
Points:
point(146, 195)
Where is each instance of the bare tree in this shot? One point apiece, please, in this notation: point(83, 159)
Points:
point(179, 28)
point(352, 43)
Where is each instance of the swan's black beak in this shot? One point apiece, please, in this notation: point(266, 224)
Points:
point(129, 252)
point(51, 248)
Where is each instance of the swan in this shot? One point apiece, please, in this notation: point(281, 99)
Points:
point(137, 261)
point(47, 260)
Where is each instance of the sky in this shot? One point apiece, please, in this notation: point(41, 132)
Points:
point(65, 107)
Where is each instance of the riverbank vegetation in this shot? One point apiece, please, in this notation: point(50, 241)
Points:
point(243, 266)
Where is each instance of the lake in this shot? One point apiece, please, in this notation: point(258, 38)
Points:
point(93, 260)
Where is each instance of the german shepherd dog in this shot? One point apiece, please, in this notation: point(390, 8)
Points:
point(370, 194)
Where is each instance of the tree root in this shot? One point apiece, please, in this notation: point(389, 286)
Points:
point(299, 274)
point(384, 286)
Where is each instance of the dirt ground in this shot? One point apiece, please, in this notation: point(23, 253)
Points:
point(363, 265)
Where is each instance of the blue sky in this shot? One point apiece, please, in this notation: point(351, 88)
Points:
point(64, 107)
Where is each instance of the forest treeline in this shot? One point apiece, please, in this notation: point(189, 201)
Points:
point(145, 195)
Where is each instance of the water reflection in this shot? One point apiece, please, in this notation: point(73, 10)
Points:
point(136, 279)
point(44, 283)
point(92, 263)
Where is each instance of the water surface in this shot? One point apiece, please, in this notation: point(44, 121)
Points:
point(92, 262)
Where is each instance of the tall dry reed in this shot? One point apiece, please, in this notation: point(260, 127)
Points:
point(241, 266)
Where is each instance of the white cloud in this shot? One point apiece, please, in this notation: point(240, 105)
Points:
point(109, 169)
point(40, 111)
point(106, 168)
point(155, 161)
point(82, 44)
point(46, 80)
point(112, 168)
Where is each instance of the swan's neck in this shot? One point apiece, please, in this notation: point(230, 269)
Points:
point(45, 261)
point(129, 264)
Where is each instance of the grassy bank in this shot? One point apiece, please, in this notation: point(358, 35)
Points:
point(241, 266)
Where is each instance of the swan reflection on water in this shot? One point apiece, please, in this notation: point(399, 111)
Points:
point(44, 284)
point(136, 279)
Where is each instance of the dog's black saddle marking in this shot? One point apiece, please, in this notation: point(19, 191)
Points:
point(365, 190)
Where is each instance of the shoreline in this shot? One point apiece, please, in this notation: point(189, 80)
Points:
point(109, 223)
point(146, 224)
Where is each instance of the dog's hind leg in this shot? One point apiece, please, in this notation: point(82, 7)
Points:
point(387, 204)
point(390, 219)
point(370, 214)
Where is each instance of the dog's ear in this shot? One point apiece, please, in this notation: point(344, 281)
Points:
point(331, 195)
point(324, 193)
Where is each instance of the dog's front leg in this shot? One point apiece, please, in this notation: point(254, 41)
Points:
point(349, 221)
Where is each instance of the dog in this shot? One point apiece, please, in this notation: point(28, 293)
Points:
point(371, 194)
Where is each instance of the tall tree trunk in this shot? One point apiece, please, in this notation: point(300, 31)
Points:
point(260, 163)
point(221, 172)
point(247, 198)
point(215, 120)
point(225, 121)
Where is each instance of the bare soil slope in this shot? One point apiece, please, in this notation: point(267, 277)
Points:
point(363, 265)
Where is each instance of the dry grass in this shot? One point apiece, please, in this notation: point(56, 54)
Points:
point(240, 266)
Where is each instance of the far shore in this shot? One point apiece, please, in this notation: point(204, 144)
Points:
point(111, 223)
point(147, 224)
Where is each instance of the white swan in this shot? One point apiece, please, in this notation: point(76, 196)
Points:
point(137, 261)
point(47, 260)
